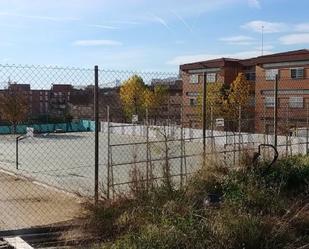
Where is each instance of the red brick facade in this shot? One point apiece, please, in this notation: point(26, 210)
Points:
point(293, 97)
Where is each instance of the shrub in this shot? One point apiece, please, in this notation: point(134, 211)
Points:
point(261, 209)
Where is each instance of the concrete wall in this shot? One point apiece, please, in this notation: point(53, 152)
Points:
point(286, 144)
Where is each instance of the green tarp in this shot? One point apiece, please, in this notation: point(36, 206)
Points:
point(82, 125)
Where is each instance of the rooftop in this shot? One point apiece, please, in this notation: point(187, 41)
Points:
point(296, 55)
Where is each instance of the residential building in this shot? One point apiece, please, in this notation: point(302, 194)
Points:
point(292, 69)
point(169, 111)
point(59, 98)
point(82, 104)
point(223, 70)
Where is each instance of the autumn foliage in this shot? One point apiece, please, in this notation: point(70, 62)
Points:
point(137, 98)
point(14, 107)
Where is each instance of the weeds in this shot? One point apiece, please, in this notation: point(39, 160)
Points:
point(259, 210)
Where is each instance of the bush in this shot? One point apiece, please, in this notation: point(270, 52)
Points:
point(260, 209)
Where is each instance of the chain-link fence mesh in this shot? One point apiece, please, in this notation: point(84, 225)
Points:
point(46, 143)
point(153, 128)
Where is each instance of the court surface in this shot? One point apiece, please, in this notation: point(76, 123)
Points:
point(66, 161)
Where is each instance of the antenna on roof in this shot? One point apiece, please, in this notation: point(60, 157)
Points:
point(262, 40)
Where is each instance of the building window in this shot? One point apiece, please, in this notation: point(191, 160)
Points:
point(192, 94)
point(269, 101)
point(269, 129)
point(211, 77)
point(193, 102)
point(297, 73)
point(41, 107)
point(252, 101)
point(250, 76)
point(296, 102)
point(194, 78)
point(271, 74)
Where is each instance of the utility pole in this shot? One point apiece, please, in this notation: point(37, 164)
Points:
point(262, 40)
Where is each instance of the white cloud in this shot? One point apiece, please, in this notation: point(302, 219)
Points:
point(5, 60)
point(185, 23)
point(91, 43)
point(302, 38)
point(203, 57)
point(254, 4)
point(238, 40)
point(268, 27)
point(124, 22)
point(160, 20)
point(46, 18)
point(103, 26)
point(265, 47)
point(302, 27)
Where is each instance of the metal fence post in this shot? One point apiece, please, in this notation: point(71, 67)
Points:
point(307, 147)
point(204, 113)
point(148, 176)
point(276, 113)
point(181, 146)
point(307, 114)
point(212, 127)
point(96, 150)
point(239, 134)
point(108, 154)
point(17, 153)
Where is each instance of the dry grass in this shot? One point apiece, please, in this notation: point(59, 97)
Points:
point(259, 209)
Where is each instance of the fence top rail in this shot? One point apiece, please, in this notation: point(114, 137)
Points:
point(102, 70)
point(138, 72)
point(48, 67)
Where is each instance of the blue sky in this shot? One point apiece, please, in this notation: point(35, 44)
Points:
point(147, 35)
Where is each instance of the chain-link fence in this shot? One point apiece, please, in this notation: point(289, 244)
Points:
point(67, 133)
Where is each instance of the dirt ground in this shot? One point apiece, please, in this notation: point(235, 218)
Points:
point(24, 204)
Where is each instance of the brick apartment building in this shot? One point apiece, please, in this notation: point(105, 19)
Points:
point(82, 104)
point(59, 98)
point(170, 111)
point(63, 102)
point(292, 69)
point(223, 70)
point(43, 102)
point(293, 97)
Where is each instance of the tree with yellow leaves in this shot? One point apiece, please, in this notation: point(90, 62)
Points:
point(214, 101)
point(238, 97)
point(155, 99)
point(132, 96)
point(136, 97)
